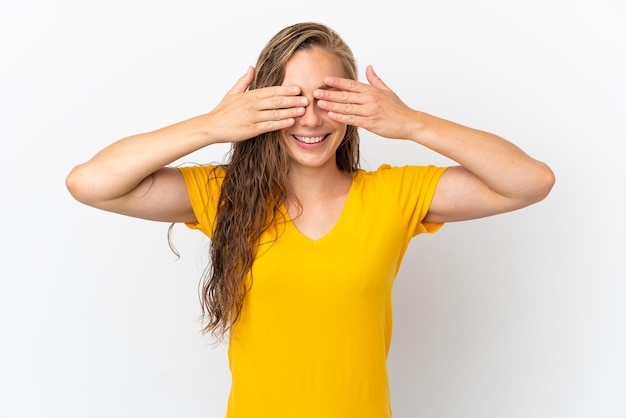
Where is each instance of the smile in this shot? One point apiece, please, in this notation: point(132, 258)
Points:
point(309, 139)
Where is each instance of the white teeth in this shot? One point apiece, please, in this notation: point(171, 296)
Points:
point(309, 139)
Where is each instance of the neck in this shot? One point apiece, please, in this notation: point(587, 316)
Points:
point(318, 183)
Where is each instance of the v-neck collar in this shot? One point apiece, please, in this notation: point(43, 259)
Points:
point(345, 212)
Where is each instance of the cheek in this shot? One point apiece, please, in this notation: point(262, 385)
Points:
point(341, 130)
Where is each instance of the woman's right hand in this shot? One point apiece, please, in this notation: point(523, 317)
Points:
point(244, 114)
point(132, 177)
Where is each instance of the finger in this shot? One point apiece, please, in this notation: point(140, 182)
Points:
point(275, 125)
point(280, 114)
point(283, 102)
point(374, 79)
point(343, 108)
point(276, 91)
point(345, 84)
point(345, 119)
point(244, 81)
point(339, 96)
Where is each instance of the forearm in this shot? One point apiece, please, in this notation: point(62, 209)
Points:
point(500, 165)
point(120, 167)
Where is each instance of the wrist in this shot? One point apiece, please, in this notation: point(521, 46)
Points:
point(202, 131)
point(417, 127)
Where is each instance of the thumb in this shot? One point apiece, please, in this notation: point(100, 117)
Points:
point(374, 79)
point(242, 84)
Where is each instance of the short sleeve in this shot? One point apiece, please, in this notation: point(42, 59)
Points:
point(203, 185)
point(413, 189)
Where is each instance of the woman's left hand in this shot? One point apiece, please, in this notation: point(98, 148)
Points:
point(373, 106)
point(494, 175)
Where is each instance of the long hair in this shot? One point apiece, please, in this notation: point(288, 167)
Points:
point(255, 184)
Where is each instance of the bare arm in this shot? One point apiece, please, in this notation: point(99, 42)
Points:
point(131, 176)
point(493, 175)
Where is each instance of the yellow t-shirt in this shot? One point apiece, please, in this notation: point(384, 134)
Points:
point(315, 330)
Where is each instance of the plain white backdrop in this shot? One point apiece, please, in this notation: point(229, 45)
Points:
point(521, 315)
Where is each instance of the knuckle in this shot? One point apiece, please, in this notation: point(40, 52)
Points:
point(276, 101)
point(268, 126)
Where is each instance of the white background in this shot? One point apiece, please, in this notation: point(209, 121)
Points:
point(519, 315)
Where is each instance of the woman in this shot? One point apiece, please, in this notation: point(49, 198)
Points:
point(304, 244)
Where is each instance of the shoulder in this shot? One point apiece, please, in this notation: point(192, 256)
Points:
point(202, 170)
point(204, 184)
point(401, 175)
point(402, 193)
point(400, 185)
point(203, 175)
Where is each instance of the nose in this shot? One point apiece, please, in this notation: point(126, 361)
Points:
point(312, 116)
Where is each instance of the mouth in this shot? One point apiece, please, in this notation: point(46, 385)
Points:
point(309, 139)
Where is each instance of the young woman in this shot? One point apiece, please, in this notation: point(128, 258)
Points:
point(304, 244)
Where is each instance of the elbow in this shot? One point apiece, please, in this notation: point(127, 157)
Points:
point(76, 184)
point(543, 183)
point(73, 183)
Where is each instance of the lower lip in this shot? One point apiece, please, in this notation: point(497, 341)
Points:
point(310, 146)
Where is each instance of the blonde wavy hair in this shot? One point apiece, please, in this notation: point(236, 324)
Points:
point(254, 184)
